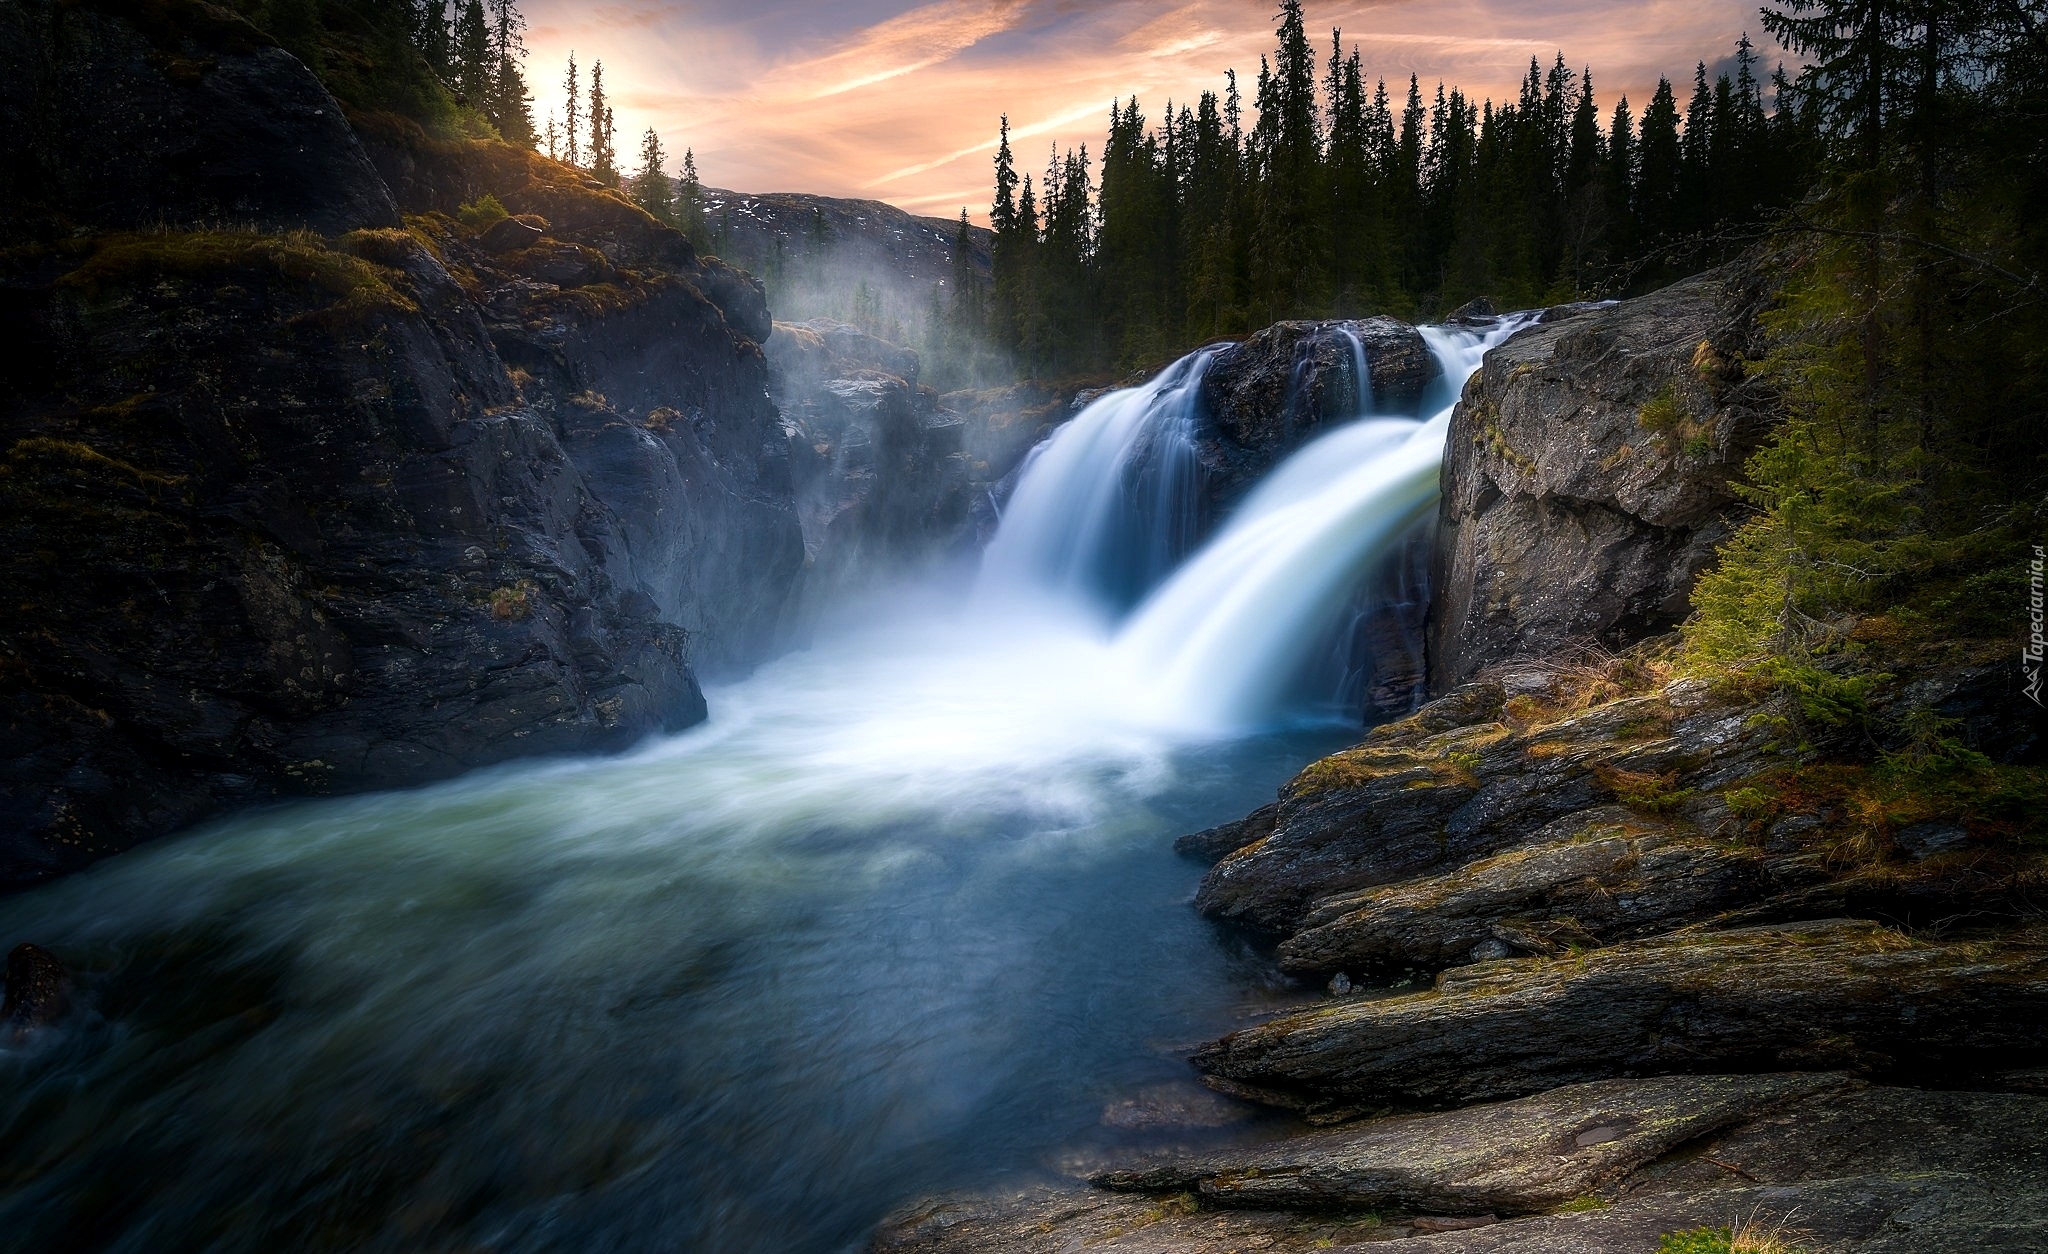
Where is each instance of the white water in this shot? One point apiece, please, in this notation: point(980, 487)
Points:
point(1219, 644)
point(1107, 505)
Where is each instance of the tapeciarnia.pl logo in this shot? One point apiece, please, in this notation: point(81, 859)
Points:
point(2037, 644)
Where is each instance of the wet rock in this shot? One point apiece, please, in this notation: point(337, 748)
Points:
point(1827, 994)
point(881, 477)
point(1615, 875)
point(1509, 1158)
point(1587, 473)
point(1216, 843)
point(1479, 309)
point(2000, 1140)
point(1832, 1164)
point(1277, 390)
point(1935, 1213)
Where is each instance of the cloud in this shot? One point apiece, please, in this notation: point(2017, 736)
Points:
point(900, 99)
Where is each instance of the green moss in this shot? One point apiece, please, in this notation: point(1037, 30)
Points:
point(1638, 790)
point(298, 259)
point(1698, 1241)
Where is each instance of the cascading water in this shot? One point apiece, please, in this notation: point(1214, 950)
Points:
point(1219, 644)
point(1107, 506)
point(895, 920)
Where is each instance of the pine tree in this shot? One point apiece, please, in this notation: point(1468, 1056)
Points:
point(550, 139)
point(1658, 164)
point(603, 155)
point(430, 35)
point(1003, 212)
point(651, 189)
point(508, 103)
point(1696, 175)
point(1287, 147)
point(689, 202)
point(571, 123)
point(473, 60)
point(1619, 181)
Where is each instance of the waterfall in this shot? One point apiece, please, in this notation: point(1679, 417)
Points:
point(1108, 505)
point(1361, 373)
point(1219, 646)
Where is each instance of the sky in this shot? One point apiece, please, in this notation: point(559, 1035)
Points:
point(897, 100)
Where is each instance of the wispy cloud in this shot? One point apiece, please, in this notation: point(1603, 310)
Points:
point(900, 99)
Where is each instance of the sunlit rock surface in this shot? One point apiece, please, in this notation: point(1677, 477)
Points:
point(1586, 478)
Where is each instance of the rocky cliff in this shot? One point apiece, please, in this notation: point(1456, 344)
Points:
point(309, 486)
point(883, 481)
point(1586, 478)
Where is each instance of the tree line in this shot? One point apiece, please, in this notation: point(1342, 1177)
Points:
point(1338, 199)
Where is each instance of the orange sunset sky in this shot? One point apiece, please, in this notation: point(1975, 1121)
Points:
point(898, 101)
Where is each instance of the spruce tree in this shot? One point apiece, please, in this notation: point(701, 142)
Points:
point(430, 35)
point(604, 165)
point(572, 118)
point(473, 60)
point(689, 202)
point(1696, 157)
point(651, 189)
point(508, 103)
point(1658, 165)
point(1619, 181)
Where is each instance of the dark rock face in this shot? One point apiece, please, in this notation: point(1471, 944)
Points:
point(882, 480)
point(1277, 390)
point(305, 515)
point(1586, 478)
point(122, 116)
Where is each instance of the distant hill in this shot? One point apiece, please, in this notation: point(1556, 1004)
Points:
point(859, 261)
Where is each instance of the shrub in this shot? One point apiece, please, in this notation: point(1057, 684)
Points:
point(1662, 412)
point(1639, 790)
point(482, 213)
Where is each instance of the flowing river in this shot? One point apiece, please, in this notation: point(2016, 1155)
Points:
point(900, 916)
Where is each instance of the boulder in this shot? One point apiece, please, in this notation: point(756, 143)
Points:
point(1587, 475)
point(1839, 993)
point(521, 230)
